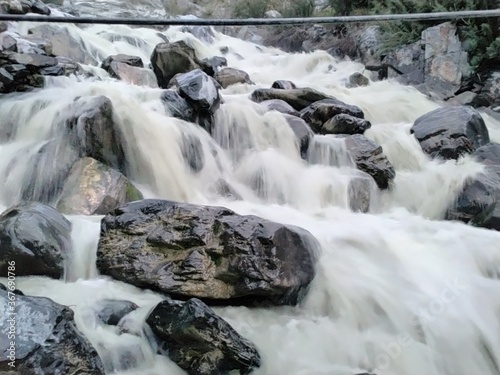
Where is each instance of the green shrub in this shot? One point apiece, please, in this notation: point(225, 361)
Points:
point(298, 8)
point(250, 8)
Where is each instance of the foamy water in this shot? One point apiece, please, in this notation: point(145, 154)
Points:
point(397, 291)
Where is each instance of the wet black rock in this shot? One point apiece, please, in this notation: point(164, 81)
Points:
point(177, 106)
point(93, 188)
point(345, 124)
point(369, 158)
point(450, 132)
point(230, 76)
point(303, 133)
point(110, 63)
point(489, 218)
point(297, 98)
point(94, 133)
point(199, 341)
point(47, 340)
point(321, 111)
point(210, 253)
point(3, 27)
point(111, 311)
point(37, 238)
point(23, 72)
point(283, 85)
point(478, 198)
point(280, 106)
point(200, 91)
point(169, 59)
point(213, 64)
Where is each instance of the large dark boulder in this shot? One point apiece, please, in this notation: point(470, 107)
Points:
point(199, 341)
point(202, 94)
point(478, 198)
point(321, 111)
point(210, 253)
point(44, 338)
point(297, 98)
point(37, 238)
point(450, 132)
point(345, 124)
point(94, 133)
point(169, 59)
point(93, 188)
point(369, 158)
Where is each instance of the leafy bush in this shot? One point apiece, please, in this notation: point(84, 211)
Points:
point(298, 8)
point(481, 36)
point(250, 8)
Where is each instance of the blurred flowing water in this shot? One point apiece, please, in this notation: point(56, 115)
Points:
point(397, 291)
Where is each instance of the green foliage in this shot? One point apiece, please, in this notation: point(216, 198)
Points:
point(481, 36)
point(298, 8)
point(250, 8)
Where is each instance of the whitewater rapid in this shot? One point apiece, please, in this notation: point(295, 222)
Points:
point(397, 291)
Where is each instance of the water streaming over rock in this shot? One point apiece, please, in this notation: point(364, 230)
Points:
point(397, 291)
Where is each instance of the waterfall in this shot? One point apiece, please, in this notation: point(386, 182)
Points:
point(398, 291)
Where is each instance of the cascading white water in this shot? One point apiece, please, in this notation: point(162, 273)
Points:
point(397, 291)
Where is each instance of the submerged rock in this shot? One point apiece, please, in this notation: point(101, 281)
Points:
point(280, 106)
point(169, 59)
point(345, 124)
point(47, 340)
point(303, 133)
point(93, 188)
point(94, 133)
point(297, 98)
point(192, 151)
point(177, 106)
point(230, 76)
point(111, 311)
point(321, 111)
point(357, 79)
point(450, 132)
point(37, 238)
point(359, 191)
point(478, 198)
point(283, 85)
point(199, 341)
point(369, 158)
point(489, 218)
point(206, 252)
